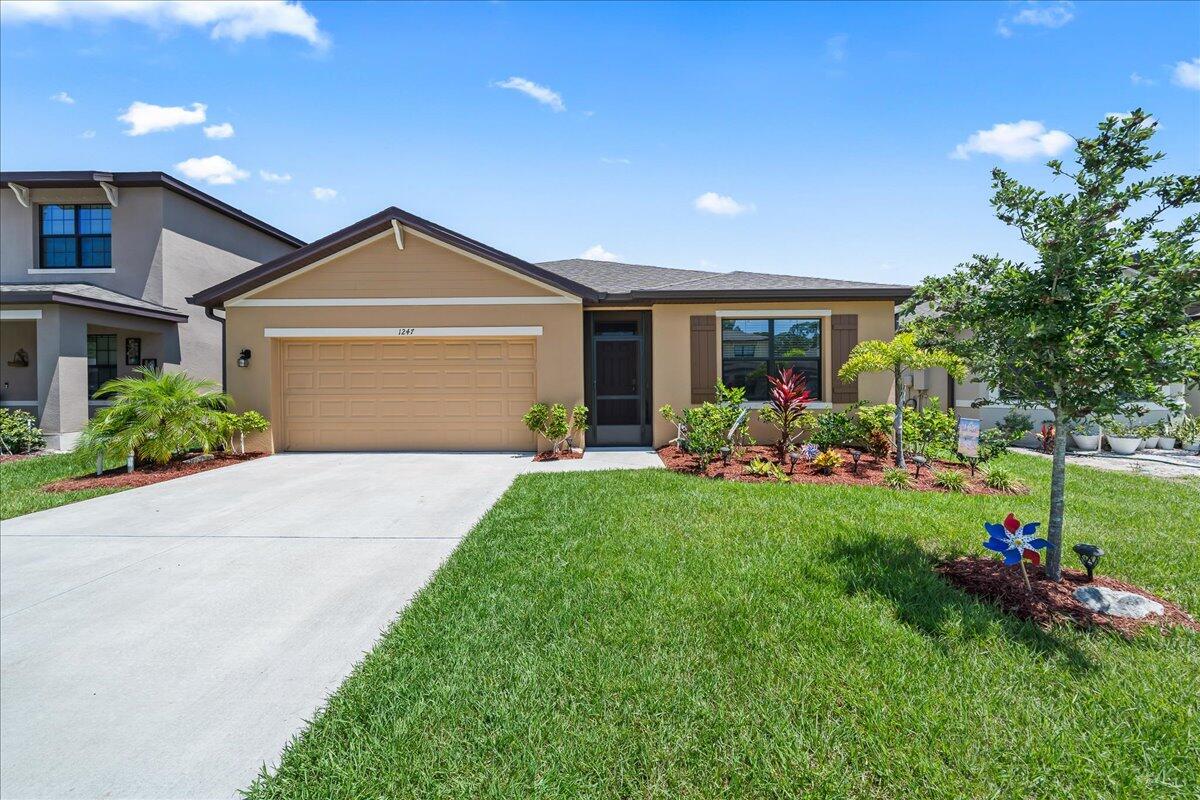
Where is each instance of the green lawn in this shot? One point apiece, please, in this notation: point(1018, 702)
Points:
point(21, 481)
point(645, 634)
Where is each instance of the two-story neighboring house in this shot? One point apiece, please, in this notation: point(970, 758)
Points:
point(94, 269)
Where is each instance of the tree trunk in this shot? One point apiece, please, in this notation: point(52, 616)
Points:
point(899, 423)
point(1058, 479)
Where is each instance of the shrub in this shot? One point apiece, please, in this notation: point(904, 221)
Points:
point(951, 480)
point(786, 412)
point(1186, 430)
point(19, 432)
point(827, 461)
point(896, 478)
point(832, 429)
point(767, 469)
point(931, 429)
point(880, 444)
point(552, 423)
point(1014, 426)
point(710, 426)
point(1001, 479)
point(992, 442)
point(156, 415)
point(241, 424)
point(870, 418)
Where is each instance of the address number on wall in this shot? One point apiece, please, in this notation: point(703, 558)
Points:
point(406, 331)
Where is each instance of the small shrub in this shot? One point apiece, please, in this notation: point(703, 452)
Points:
point(827, 461)
point(239, 425)
point(930, 430)
point(1001, 479)
point(1014, 426)
point(870, 418)
point(767, 469)
point(896, 478)
point(951, 480)
point(706, 428)
point(832, 429)
point(553, 424)
point(992, 442)
point(880, 444)
point(786, 412)
point(19, 432)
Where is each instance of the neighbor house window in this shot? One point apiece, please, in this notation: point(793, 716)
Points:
point(76, 236)
point(102, 360)
point(752, 349)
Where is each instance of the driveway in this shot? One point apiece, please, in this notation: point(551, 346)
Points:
point(167, 641)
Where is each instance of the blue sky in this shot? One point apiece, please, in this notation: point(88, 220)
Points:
point(842, 140)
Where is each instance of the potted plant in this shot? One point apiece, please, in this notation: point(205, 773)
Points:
point(1187, 432)
point(1166, 435)
point(1149, 436)
point(1122, 438)
point(1085, 435)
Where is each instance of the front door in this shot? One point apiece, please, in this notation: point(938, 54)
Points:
point(618, 369)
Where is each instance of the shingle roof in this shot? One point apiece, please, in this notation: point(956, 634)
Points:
point(85, 294)
point(639, 279)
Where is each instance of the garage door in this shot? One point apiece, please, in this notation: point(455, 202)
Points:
point(409, 394)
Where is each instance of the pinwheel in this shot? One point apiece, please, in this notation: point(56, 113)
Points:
point(1016, 542)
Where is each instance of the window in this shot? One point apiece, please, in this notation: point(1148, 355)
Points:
point(76, 236)
point(752, 349)
point(102, 360)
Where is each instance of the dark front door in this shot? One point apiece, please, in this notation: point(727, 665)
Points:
point(618, 370)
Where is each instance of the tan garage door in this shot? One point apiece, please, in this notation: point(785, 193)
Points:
point(408, 394)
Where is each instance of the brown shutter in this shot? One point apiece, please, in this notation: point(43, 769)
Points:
point(704, 358)
point(844, 328)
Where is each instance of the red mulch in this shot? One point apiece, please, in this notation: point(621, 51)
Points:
point(6, 457)
point(1053, 602)
point(144, 476)
point(561, 455)
point(870, 471)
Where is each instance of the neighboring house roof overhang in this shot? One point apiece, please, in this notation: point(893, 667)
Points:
point(86, 295)
point(89, 179)
point(361, 231)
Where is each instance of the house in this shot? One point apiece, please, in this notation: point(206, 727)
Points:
point(94, 271)
point(396, 333)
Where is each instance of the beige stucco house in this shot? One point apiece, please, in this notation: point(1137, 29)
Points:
point(94, 271)
point(396, 333)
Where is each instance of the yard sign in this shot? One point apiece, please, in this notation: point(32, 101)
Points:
point(968, 437)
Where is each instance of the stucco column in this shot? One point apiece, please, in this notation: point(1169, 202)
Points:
point(62, 375)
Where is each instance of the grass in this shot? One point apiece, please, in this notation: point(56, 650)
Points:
point(647, 634)
point(21, 482)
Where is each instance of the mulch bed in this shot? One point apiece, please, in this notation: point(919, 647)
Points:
point(869, 473)
point(144, 476)
point(561, 455)
point(1050, 602)
point(6, 457)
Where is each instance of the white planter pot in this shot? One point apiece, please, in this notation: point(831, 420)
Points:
point(1083, 442)
point(1192, 447)
point(1150, 443)
point(1166, 443)
point(1124, 445)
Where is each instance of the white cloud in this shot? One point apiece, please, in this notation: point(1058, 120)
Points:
point(1038, 15)
point(88, 135)
point(222, 131)
point(323, 193)
point(598, 253)
point(722, 204)
point(835, 47)
point(1187, 74)
point(1014, 141)
point(614, 160)
point(233, 19)
point(1141, 80)
point(274, 177)
point(63, 97)
point(144, 118)
point(216, 170)
point(543, 94)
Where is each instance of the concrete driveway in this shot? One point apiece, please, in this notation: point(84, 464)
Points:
point(167, 641)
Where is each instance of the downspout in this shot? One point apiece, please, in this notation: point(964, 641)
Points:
point(208, 312)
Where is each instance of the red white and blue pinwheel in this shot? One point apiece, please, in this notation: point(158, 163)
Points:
point(1016, 542)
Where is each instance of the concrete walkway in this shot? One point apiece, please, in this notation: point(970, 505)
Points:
point(167, 641)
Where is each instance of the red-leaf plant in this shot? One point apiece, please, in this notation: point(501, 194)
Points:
point(789, 398)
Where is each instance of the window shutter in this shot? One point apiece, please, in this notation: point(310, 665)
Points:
point(704, 358)
point(844, 328)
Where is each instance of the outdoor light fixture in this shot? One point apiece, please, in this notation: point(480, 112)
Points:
point(920, 461)
point(244, 357)
point(793, 457)
point(1089, 555)
point(856, 455)
point(725, 454)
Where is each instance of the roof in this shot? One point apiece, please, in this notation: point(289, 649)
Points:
point(618, 282)
point(380, 222)
point(88, 296)
point(81, 178)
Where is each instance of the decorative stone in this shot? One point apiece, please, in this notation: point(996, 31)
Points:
point(1117, 603)
point(199, 459)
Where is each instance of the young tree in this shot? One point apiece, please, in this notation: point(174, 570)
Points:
point(899, 354)
point(1097, 322)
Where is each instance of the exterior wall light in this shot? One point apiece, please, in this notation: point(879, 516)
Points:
point(1089, 556)
point(244, 357)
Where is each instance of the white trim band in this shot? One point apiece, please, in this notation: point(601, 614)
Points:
point(76, 271)
point(773, 313)
point(816, 405)
point(405, 333)
point(346, 302)
point(20, 313)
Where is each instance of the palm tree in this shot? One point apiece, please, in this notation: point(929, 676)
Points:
point(155, 415)
point(899, 354)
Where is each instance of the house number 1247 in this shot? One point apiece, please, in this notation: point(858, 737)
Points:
point(406, 331)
